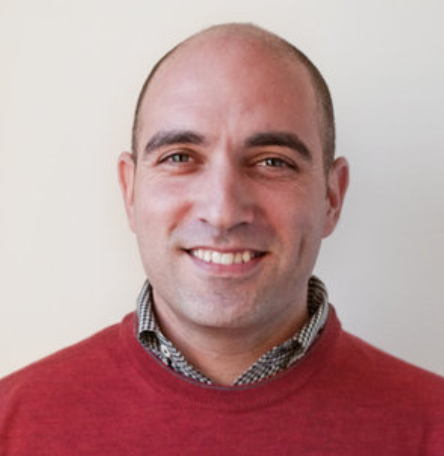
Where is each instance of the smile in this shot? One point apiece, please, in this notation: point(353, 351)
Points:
point(225, 258)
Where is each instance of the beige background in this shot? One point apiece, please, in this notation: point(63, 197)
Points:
point(69, 78)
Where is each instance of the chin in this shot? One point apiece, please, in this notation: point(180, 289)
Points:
point(220, 316)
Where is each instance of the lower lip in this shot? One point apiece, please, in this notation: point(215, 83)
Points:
point(227, 270)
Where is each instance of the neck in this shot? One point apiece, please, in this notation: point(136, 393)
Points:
point(223, 354)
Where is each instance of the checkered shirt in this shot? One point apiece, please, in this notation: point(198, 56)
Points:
point(269, 364)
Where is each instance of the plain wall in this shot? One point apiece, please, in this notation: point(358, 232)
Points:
point(70, 75)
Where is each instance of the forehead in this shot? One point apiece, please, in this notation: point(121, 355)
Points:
point(233, 86)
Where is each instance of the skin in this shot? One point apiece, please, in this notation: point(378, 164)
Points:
point(230, 160)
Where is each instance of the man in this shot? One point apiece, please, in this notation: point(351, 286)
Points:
point(230, 187)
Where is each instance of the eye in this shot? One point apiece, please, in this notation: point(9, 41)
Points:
point(178, 161)
point(276, 162)
point(178, 157)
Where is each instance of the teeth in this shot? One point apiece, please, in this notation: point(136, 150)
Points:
point(216, 257)
point(227, 258)
point(213, 256)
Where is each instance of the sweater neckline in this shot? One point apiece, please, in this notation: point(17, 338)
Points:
point(152, 374)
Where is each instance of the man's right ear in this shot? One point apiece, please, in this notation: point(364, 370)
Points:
point(126, 171)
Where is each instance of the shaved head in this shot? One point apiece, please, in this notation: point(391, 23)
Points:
point(225, 36)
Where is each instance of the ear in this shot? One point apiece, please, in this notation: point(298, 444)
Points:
point(337, 184)
point(126, 172)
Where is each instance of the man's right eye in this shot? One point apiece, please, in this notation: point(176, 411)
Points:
point(178, 157)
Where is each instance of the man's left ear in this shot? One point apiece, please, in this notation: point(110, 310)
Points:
point(337, 184)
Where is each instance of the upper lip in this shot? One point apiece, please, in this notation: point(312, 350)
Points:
point(227, 250)
point(215, 249)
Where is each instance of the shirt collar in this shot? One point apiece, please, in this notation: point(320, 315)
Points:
point(269, 364)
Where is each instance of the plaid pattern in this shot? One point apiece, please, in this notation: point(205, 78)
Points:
point(269, 364)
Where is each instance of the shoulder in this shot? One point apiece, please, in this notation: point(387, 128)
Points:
point(359, 351)
point(386, 376)
point(363, 386)
point(71, 369)
point(86, 390)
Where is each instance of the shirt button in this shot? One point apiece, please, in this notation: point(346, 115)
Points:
point(165, 350)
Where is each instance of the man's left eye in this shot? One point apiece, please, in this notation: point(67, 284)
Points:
point(275, 162)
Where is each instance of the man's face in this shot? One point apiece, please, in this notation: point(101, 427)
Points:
point(229, 200)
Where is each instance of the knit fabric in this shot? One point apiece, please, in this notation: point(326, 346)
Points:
point(108, 396)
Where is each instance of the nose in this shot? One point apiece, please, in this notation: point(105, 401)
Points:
point(225, 197)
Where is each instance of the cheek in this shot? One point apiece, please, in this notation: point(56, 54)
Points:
point(299, 219)
point(158, 208)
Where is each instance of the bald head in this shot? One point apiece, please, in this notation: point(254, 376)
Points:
point(245, 36)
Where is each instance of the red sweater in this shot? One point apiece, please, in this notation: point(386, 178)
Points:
point(107, 396)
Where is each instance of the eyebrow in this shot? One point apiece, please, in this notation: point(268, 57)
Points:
point(171, 137)
point(280, 138)
point(269, 138)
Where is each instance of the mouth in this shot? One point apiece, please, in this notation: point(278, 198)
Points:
point(225, 258)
